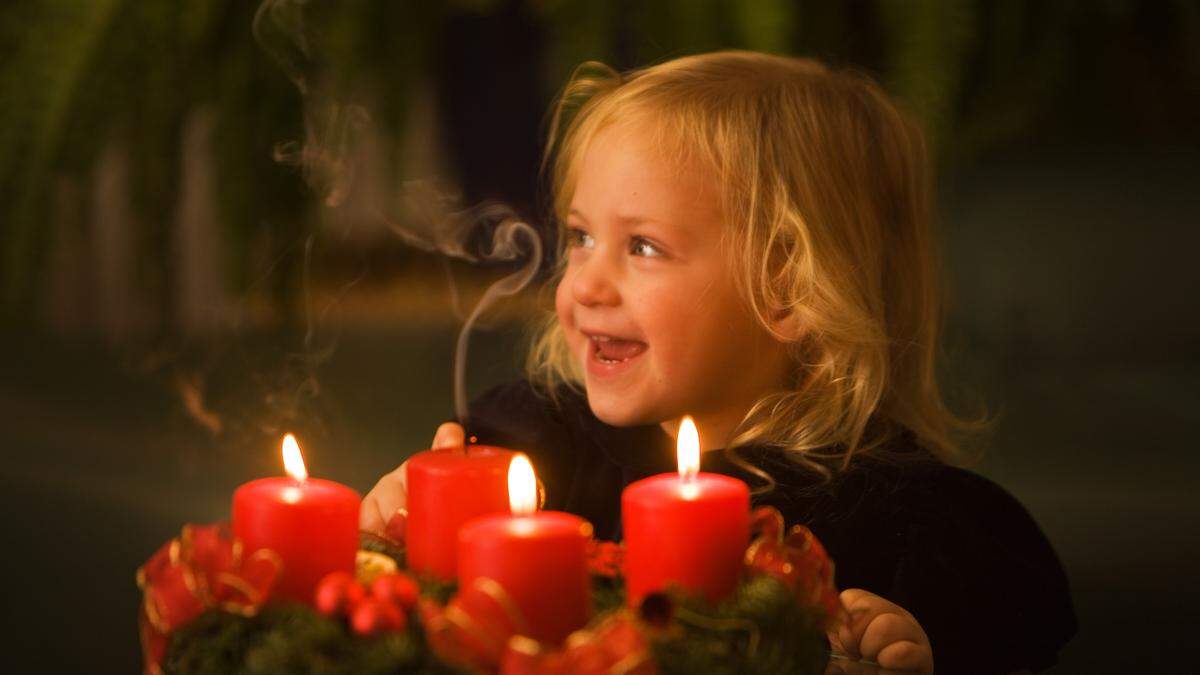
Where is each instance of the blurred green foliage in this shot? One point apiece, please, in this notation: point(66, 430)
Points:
point(79, 76)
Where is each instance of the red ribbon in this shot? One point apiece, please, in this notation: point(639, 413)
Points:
point(201, 569)
point(605, 559)
point(618, 646)
point(471, 631)
point(797, 559)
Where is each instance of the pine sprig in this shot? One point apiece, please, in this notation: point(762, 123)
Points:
point(761, 630)
point(293, 639)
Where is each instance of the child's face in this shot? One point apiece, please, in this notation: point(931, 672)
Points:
point(648, 303)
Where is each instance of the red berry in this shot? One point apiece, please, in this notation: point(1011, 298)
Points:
point(398, 589)
point(338, 593)
point(373, 616)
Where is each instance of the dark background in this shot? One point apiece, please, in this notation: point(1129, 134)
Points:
point(174, 299)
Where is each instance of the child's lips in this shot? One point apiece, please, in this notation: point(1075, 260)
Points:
point(610, 355)
point(615, 349)
point(598, 336)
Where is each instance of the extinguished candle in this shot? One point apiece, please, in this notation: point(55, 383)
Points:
point(446, 488)
point(687, 530)
point(538, 559)
point(310, 523)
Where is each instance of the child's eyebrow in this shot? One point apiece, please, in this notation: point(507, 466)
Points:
point(628, 221)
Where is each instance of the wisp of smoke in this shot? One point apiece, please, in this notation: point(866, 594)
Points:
point(488, 233)
point(450, 234)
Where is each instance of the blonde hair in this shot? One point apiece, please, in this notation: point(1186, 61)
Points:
point(826, 190)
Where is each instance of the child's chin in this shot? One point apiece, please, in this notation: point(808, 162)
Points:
point(617, 413)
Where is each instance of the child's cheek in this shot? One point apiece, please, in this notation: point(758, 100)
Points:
point(563, 308)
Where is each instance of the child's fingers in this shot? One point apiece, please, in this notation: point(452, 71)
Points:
point(844, 640)
point(389, 495)
point(858, 599)
point(906, 655)
point(369, 517)
point(449, 435)
point(861, 607)
point(886, 629)
point(873, 624)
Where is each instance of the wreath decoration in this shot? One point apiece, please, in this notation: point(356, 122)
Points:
point(206, 611)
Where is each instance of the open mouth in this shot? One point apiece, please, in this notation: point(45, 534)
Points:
point(610, 350)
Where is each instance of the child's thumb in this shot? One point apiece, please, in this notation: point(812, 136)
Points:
point(449, 435)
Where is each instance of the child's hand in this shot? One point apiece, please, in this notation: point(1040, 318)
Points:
point(883, 632)
point(390, 494)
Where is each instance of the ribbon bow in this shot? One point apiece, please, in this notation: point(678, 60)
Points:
point(201, 569)
point(471, 631)
point(618, 646)
point(797, 559)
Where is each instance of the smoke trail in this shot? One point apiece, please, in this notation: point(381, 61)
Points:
point(325, 156)
point(436, 223)
point(511, 239)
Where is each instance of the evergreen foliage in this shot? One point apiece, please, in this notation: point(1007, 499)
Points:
point(293, 639)
point(761, 630)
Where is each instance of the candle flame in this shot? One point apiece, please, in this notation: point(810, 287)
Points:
point(522, 486)
point(293, 462)
point(687, 448)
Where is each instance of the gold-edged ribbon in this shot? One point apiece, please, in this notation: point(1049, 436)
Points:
point(617, 646)
point(798, 560)
point(201, 569)
point(473, 629)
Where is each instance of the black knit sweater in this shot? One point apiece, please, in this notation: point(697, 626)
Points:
point(951, 547)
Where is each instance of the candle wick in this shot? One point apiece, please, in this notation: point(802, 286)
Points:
point(688, 486)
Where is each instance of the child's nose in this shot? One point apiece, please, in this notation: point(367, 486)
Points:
point(592, 285)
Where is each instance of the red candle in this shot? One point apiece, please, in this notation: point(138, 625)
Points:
point(538, 559)
point(311, 524)
point(688, 530)
point(446, 488)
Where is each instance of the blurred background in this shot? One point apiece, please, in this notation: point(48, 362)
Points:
point(199, 253)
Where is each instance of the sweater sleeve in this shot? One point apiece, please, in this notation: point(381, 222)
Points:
point(982, 579)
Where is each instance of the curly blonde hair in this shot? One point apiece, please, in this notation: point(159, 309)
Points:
point(826, 190)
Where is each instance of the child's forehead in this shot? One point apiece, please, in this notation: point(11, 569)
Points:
point(639, 156)
point(669, 205)
point(629, 175)
point(637, 164)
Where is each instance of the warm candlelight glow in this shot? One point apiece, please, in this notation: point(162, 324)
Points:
point(687, 448)
point(293, 463)
point(522, 486)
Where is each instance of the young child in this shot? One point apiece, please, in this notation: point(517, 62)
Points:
point(746, 240)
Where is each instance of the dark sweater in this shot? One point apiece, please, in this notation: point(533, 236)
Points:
point(948, 545)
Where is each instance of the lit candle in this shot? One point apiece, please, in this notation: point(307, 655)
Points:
point(446, 488)
point(539, 559)
point(311, 524)
point(688, 530)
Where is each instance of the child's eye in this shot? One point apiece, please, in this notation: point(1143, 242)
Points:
point(644, 248)
point(577, 238)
